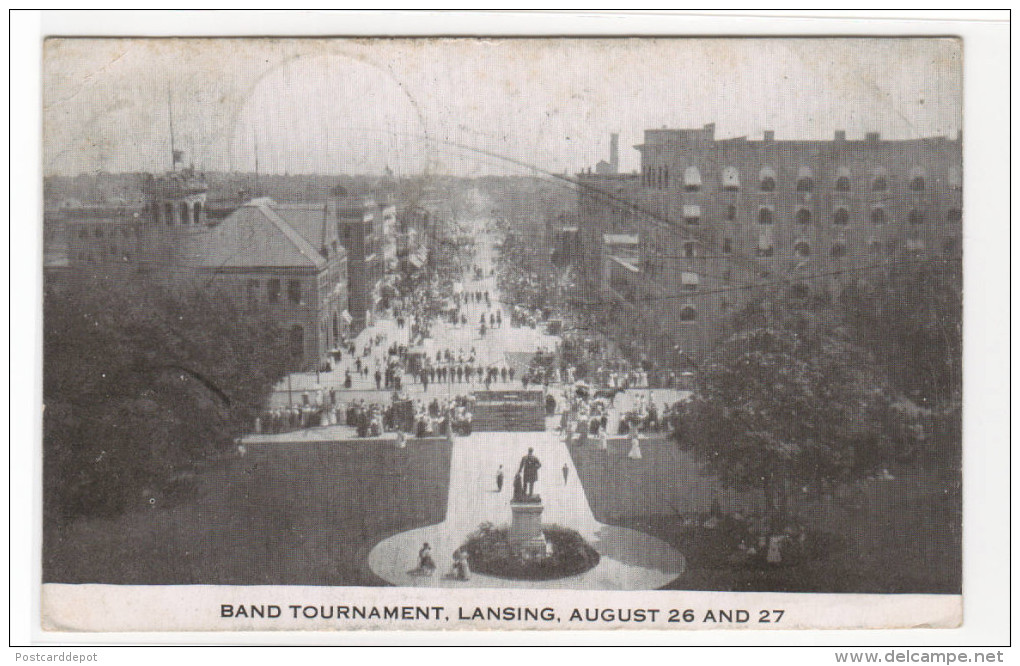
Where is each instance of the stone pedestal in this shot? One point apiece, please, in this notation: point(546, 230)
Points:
point(526, 536)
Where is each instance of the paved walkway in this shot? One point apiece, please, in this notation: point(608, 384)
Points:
point(630, 560)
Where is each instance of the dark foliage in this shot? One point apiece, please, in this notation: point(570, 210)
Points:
point(140, 386)
point(489, 553)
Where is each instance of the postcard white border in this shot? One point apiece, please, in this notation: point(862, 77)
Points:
point(986, 485)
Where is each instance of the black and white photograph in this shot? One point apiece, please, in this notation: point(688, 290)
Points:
point(472, 322)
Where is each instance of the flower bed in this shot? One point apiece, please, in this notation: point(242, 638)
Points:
point(489, 553)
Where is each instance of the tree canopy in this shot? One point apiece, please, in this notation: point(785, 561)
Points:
point(140, 384)
point(787, 400)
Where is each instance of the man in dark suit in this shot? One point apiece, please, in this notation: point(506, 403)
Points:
point(529, 471)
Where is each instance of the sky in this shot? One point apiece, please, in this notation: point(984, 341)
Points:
point(470, 106)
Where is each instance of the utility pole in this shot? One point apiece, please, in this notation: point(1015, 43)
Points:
point(173, 145)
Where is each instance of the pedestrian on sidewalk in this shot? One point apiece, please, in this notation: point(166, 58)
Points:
point(566, 472)
point(499, 479)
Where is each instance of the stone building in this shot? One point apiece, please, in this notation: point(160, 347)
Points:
point(718, 221)
point(286, 261)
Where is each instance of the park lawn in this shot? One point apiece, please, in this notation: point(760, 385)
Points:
point(904, 538)
point(284, 514)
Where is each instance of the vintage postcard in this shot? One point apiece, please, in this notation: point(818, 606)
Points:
point(572, 333)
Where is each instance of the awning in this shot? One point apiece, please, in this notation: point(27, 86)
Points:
point(689, 278)
point(692, 177)
point(346, 316)
point(730, 177)
point(691, 211)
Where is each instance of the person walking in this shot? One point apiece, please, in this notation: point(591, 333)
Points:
point(499, 479)
point(566, 472)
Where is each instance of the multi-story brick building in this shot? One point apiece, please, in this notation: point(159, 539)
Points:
point(286, 261)
point(717, 221)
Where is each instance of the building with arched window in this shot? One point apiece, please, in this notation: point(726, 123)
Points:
point(863, 193)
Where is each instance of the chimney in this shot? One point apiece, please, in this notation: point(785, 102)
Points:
point(614, 153)
point(872, 137)
point(709, 130)
point(770, 136)
point(840, 136)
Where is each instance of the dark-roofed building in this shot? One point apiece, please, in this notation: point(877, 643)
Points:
point(285, 261)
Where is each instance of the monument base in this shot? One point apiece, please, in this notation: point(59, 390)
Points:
point(526, 537)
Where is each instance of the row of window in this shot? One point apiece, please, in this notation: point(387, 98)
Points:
point(88, 257)
point(840, 216)
point(188, 214)
point(659, 177)
point(802, 248)
point(295, 293)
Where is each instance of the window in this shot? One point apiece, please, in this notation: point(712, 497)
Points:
point(803, 216)
point(730, 179)
point(913, 247)
point(727, 246)
point(688, 313)
point(802, 249)
point(767, 180)
point(954, 215)
point(294, 292)
point(955, 178)
point(692, 214)
point(878, 215)
point(168, 214)
point(297, 341)
point(273, 290)
point(805, 180)
point(198, 212)
point(838, 249)
point(841, 217)
point(879, 184)
point(692, 179)
point(842, 180)
point(252, 291)
point(185, 213)
point(765, 215)
point(689, 281)
point(916, 217)
point(689, 249)
point(731, 212)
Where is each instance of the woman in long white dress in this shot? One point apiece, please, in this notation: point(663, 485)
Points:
point(635, 447)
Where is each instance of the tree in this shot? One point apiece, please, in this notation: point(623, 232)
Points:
point(140, 384)
point(784, 402)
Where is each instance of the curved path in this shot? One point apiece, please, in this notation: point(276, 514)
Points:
point(631, 560)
